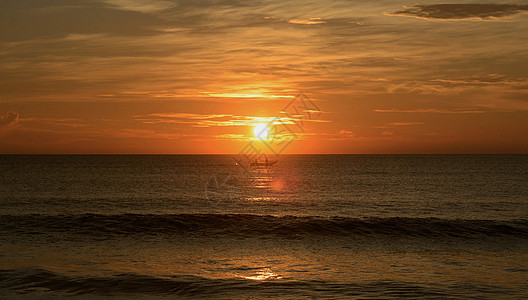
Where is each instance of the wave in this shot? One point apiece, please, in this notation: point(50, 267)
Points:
point(260, 225)
point(40, 281)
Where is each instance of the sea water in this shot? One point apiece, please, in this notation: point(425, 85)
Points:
point(311, 226)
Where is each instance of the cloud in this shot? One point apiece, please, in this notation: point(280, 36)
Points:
point(216, 95)
point(405, 123)
point(231, 136)
point(9, 118)
point(43, 22)
point(143, 6)
point(310, 21)
point(223, 120)
point(55, 122)
point(462, 11)
point(486, 80)
point(189, 116)
point(429, 110)
point(211, 120)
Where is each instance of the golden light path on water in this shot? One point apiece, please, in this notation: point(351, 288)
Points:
point(262, 275)
point(277, 183)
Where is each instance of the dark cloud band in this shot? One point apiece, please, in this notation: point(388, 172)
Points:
point(462, 11)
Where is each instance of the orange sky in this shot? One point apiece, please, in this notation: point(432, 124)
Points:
point(163, 76)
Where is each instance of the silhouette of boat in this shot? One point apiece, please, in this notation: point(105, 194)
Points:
point(266, 163)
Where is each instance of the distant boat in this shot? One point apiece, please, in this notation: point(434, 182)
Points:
point(263, 163)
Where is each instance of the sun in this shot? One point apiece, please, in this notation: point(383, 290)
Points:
point(261, 131)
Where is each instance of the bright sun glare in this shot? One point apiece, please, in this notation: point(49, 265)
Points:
point(261, 131)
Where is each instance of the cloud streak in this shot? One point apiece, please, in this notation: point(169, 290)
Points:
point(143, 6)
point(310, 21)
point(461, 11)
point(405, 123)
point(9, 118)
point(211, 120)
point(428, 110)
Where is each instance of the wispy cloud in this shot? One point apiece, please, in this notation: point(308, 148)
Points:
point(231, 136)
point(223, 120)
point(144, 6)
point(485, 80)
point(405, 123)
point(212, 120)
point(8, 118)
point(216, 95)
point(461, 11)
point(140, 133)
point(56, 122)
point(189, 116)
point(430, 111)
point(310, 21)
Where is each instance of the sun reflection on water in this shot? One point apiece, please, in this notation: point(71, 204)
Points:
point(266, 274)
point(277, 183)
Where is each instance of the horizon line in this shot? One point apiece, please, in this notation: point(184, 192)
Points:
point(462, 153)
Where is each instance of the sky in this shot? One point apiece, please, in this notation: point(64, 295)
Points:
point(178, 77)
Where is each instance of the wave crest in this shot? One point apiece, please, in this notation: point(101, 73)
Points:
point(258, 225)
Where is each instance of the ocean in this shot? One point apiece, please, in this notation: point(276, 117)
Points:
point(309, 227)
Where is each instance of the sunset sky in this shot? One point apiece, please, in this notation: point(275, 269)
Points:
point(167, 76)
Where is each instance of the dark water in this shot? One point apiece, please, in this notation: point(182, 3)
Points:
point(313, 226)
